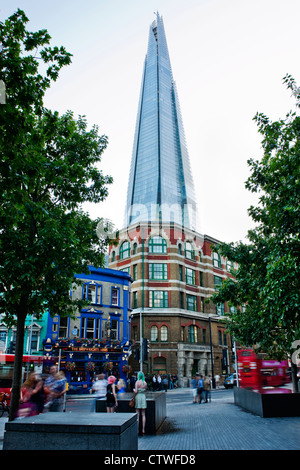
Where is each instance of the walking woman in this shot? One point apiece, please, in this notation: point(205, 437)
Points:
point(111, 395)
point(140, 399)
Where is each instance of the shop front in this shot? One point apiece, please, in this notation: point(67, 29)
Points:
point(82, 361)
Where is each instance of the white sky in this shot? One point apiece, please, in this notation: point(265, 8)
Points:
point(228, 60)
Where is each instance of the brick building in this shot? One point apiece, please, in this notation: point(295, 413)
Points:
point(174, 272)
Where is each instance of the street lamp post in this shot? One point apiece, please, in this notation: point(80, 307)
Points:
point(211, 354)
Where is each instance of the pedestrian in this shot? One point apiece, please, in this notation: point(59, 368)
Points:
point(55, 386)
point(154, 383)
point(194, 383)
point(206, 389)
point(200, 388)
point(165, 383)
point(217, 380)
point(158, 379)
point(121, 386)
point(32, 396)
point(140, 400)
point(99, 387)
point(111, 395)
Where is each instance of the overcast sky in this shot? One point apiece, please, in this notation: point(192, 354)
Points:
point(228, 60)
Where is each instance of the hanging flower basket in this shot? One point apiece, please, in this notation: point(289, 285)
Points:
point(90, 366)
point(125, 368)
point(70, 366)
point(108, 366)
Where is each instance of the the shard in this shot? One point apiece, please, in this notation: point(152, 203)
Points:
point(160, 187)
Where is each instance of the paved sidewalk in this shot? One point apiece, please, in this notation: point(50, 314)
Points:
point(218, 425)
point(221, 425)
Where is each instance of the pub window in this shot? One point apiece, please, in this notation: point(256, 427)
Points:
point(92, 292)
point(114, 329)
point(63, 327)
point(115, 296)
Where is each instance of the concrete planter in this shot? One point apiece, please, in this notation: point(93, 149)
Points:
point(72, 431)
point(268, 405)
point(155, 412)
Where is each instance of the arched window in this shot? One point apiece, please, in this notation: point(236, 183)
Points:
point(189, 251)
point(164, 333)
point(125, 250)
point(157, 245)
point(154, 334)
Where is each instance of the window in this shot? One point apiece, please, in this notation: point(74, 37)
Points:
point(158, 271)
point(135, 249)
point(154, 334)
point(158, 299)
point(164, 333)
point(193, 334)
point(115, 296)
point(218, 282)
point(220, 309)
point(191, 302)
point(229, 265)
point(179, 249)
point(125, 250)
point(217, 260)
point(89, 327)
point(190, 277)
point(180, 273)
point(114, 329)
point(134, 299)
point(134, 275)
point(113, 256)
point(189, 252)
point(63, 327)
point(92, 292)
point(157, 245)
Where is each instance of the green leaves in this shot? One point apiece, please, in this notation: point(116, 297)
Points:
point(267, 282)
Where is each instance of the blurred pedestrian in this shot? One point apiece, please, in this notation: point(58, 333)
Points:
point(121, 386)
point(111, 395)
point(194, 383)
point(32, 396)
point(217, 380)
point(140, 400)
point(200, 388)
point(55, 386)
point(99, 388)
point(206, 389)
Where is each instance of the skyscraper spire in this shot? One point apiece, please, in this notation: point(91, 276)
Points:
point(160, 184)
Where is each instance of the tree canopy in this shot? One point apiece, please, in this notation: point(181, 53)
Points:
point(49, 167)
point(266, 288)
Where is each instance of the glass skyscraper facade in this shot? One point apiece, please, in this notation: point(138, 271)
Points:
point(160, 184)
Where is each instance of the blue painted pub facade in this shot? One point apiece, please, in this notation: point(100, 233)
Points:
point(98, 339)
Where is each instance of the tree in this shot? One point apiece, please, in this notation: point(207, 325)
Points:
point(267, 281)
point(48, 170)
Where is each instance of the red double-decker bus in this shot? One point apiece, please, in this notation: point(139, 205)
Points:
point(29, 364)
point(257, 373)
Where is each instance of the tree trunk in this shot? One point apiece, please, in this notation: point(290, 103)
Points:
point(294, 371)
point(17, 377)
